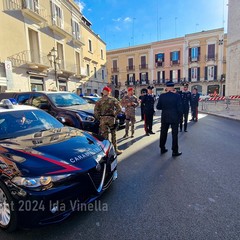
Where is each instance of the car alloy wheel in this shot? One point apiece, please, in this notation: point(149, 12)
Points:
point(8, 217)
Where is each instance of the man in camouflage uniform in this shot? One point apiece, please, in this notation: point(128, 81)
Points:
point(106, 111)
point(130, 102)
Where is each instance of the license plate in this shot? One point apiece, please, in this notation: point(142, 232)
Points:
point(113, 165)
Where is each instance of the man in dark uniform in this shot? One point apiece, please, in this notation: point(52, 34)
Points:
point(194, 104)
point(186, 102)
point(171, 105)
point(143, 93)
point(148, 110)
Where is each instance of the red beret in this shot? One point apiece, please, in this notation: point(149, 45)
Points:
point(107, 89)
point(130, 89)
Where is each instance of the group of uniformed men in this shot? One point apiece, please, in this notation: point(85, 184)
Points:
point(174, 105)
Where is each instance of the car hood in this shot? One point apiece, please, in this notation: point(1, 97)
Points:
point(51, 152)
point(89, 108)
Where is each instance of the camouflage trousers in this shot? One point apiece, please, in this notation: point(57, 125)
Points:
point(106, 125)
point(132, 119)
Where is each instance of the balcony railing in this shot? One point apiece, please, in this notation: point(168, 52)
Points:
point(115, 70)
point(130, 68)
point(143, 66)
point(194, 59)
point(30, 8)
point(159, 64)
point(210, 57)
point(60, 27)
point(78, 39)
point(31, 59)
point(175, 63)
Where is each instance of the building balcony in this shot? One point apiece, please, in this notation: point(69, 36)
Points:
point(143, 66)
point(62, 29)
point(209, 58)
point(144, 82)
point(30, 59)
point(115, 70)
point(159, 82)
point(67, 69)
point(159, 64)
point(78, 40)
point(194, 59)
point(130, 68)
point(175, 63)
point(33, 10)
point(30, 9)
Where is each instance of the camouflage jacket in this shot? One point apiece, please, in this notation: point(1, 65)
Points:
point(130, 103)
point(107, 106)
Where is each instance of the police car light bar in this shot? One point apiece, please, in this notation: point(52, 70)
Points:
point(6, 103)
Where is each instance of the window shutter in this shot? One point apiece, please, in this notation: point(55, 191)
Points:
point(163, 76)
point(170, 56)
point(171, 75)
point(128, 77)
point(206, 70)
point(140, 77)
point(179, 75)
point(147, 76)
point(198, 73)
point(199, 53)
point(215, 72)
point(189, 53)
point(178, 56)
point(189, 75)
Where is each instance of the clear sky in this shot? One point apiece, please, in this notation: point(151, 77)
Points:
point(124, 23)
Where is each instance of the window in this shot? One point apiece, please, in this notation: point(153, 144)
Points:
point(161, 76)
point(211, 73)
point(88, 70)
point(130, 64)
point(159, 59)
point(143, 62)
point(102, 74)
point(144, 78)
point(75, 30)
point(89, 45)
point(131, 78)
point(102, 54)
point(34, 46)
point(175, 75)
point(194, 54)
point(211, 52)
point(57, 15)
point(60, 54)
point(78, 63)
point(39, 100)
point(194, 74)
point(95, 72)
point(36, 83)
point(175, 57)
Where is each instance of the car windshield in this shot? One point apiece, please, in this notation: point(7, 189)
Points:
point(66, 99)
point(21, 122)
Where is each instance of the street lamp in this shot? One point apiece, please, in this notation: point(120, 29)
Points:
point(54, 60)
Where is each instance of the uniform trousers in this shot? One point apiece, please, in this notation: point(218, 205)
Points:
point(148, 122)
point(164, 133)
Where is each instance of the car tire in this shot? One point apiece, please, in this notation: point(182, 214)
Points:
point(8, 215)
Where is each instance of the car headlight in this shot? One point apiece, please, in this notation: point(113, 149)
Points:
point(38, 181)
point(84, 117)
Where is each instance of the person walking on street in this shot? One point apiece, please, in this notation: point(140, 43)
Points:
point(194, 104)
point(148, 110)
point(130, 102)
point(171, 105)
point(186, 102)
point(106, 110)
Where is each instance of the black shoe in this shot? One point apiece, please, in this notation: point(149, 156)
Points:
point(176, 154)
point(151, 132)
point(180, 130)
point(185, 130)
point(191, 120)
point(147, 134)
point(164, 150)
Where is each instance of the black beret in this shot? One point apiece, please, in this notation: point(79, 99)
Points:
point(170, 84)
point(150, 87)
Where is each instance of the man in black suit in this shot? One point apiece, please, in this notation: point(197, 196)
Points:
point(171, 105)
point(148, 110)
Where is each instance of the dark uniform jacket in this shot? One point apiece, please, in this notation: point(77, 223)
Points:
point(171, 106)
point(194, 100)
point(148, 104)
point(186, 100)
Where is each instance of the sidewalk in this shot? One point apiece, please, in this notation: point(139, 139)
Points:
point(221, 108)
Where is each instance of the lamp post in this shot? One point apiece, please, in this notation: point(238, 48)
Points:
point(54, 60)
